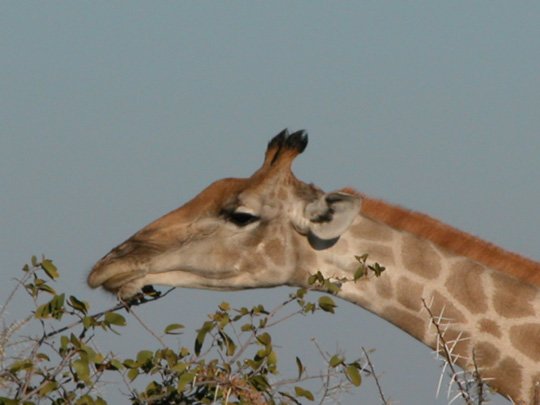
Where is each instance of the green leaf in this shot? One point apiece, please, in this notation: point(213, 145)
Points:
point(144, 356)
point(184, 352)
point(179, 367)
point(265, 339)
point(316, 278)
point(42, 357)
point(115, 364)
point(56, 306)
point(359, 273)
point(113, 318)
point(332, 288)
point(377, 269)
point(58, 301)
point(335, 361)
point(88, 322)
point(64, 341)
point(300, 367)
point(271, 361)
point(50, 386)
point(327, 304)
point(247, 327)
point(78, 305)
point(309, 307)
point(41, 285)
point(48, 267)
point(353, 375)
point(259, 382)
point(229, 343)
point(173, 328)
point(82, 369)
point(20, 365)
point(85, 400)
point(362, 258)
point(300, 293)
point(300, 392)
point(42, 311)
point(130, 363)
point(133, 373)
point(184, 380)
point(224, 306)
point(199, 340)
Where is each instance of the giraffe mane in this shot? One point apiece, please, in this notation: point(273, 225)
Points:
point(452, 239)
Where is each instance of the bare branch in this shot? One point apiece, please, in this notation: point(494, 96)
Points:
point(372, 371)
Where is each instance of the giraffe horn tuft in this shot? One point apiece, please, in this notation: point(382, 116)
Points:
point(283, 148)
point(297, 141)
point(278, 140)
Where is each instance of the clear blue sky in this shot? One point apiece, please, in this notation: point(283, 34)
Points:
point(111, 114)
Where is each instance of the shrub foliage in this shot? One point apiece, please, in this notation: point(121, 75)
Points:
point(233, 359)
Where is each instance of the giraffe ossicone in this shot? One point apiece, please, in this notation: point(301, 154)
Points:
point(272, 229)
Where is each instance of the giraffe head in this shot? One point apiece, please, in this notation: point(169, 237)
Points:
point(236, 234)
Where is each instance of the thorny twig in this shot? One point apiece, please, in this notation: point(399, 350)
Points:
point(478, 380)
point(448, 355)
point(372, 371)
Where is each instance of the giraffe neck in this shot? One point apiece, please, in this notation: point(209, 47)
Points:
point(487, 315)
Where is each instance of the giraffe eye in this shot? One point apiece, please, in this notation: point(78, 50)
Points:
point(242, 218)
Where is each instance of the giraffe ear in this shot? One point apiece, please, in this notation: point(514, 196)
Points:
point(332, 214)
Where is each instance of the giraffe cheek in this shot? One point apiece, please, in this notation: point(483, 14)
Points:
point(275, 251)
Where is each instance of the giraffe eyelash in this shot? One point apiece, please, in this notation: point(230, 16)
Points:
point(240, 218)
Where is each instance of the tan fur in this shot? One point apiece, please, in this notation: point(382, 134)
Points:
point(452, 239)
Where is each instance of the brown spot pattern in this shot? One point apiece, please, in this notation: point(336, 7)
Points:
point(458, 343)
point(508, 378)
point(486, 354)
point(410, 323)
point(275, 250)
point(420, 257)
point(512, 298)
point(465, 284)
point(409, 293)
point(371, 230)
point(449, 312)
point(526, 338)
point(384, 286)
point(489, 326)
point(379, 253)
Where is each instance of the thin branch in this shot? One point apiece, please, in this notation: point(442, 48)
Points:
point(122, 305)
point(372, 371)
point(478, 380)
point(448, 355)
point(132, 312)
point(12, 294)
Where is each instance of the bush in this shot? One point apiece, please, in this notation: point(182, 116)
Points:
point(233, 359)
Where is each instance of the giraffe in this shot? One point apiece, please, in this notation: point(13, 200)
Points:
point(272, 229)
